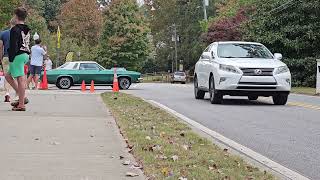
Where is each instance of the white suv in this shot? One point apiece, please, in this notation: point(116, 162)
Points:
point(241, 69)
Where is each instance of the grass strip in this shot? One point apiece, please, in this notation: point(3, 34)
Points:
point(304, 90)
point(168, 148)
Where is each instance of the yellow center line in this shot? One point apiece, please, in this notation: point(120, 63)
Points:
point(297, 104)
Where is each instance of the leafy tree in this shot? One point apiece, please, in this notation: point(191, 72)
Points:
point(81, 20)
point(51, 10)
point(226, 28)
point(292, 29)
point(6, 11)
point(37, 5)
point(125, 40)
point(187, 16)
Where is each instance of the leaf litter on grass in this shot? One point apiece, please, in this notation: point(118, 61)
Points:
point(168, 148)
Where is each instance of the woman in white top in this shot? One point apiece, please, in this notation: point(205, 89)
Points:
point(48, 63)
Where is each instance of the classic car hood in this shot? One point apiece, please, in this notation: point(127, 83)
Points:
point(252, 63)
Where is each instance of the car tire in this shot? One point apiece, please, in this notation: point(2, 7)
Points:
point(124, 83)
point(215, 96)
point(253, 98)
point(199, 94)
point(280, 99)
point(64, 83)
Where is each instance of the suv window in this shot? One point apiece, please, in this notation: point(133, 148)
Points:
point(89, 66)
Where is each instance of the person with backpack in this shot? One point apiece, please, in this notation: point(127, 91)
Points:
point(4, 47)
point(19, 51)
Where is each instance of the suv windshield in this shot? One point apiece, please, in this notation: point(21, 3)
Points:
point(243, 51)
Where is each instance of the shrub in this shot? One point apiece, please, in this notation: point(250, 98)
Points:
point(304, 71)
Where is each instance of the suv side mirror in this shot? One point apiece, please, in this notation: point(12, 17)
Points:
point(206, 56)
point(278, 56)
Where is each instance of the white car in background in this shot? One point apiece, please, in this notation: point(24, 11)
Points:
point(241, 69)
point(179, 76)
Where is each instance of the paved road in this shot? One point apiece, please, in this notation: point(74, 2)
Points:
point(289, 135)
point(64, 135)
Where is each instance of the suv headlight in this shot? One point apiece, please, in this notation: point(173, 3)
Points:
point(281, 70)
point(229, 68)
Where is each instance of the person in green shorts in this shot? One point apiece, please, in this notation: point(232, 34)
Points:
point(19, 50)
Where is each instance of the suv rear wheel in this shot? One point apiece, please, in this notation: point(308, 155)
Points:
point(199, 94)
point(280, 99)
point(215, 96)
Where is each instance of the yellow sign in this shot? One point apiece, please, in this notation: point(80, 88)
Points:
point(58, 38)
point(69, 56)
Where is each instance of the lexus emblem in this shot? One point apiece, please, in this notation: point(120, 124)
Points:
point(258, 72)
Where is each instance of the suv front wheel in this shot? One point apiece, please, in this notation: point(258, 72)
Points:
point(280, 99)
point(215, 96)
point(199, 94)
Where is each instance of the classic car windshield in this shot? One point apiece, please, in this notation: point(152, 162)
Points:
point(67, 65)
point(243, 51)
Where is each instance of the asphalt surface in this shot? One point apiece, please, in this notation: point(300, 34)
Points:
point(289, 135)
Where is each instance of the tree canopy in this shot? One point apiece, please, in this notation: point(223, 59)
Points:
point(125, 40)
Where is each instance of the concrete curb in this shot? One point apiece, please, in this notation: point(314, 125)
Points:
point(285, 172)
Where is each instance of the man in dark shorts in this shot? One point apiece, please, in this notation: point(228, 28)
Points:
point(19, 51)
point(38, 54)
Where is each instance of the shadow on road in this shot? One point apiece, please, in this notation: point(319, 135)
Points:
point(244, 102)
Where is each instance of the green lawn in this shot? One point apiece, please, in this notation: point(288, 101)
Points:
point(169, 149)
point(304, 90)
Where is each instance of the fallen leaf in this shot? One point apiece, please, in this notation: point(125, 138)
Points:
point(162, 134)
point(175, 158)
point(213, 167)
point(121, 157)
point(156, 148)
point(227, 178)
point(37, 139)
point(131, 174)
point(148, 138)
point(185, 147)
point(182, 178)
point(165, 171)
point(126, 163)
point(161, 157)
point(55, 143)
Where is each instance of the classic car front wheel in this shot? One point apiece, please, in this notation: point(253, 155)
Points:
point(64, 83)
point(124, 83)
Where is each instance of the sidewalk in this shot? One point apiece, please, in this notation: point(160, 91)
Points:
point(62, 136)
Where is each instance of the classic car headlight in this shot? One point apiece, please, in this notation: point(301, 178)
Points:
point(281, 70)
point(229, 68)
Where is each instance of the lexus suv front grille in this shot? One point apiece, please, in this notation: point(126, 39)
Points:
point(257, 71)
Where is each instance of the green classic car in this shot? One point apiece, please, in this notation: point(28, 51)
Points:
point(73, 73)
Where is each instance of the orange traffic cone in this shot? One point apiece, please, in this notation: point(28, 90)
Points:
point(44, 84)
point(83, 86)
point(92, 87)
point(115, 87)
